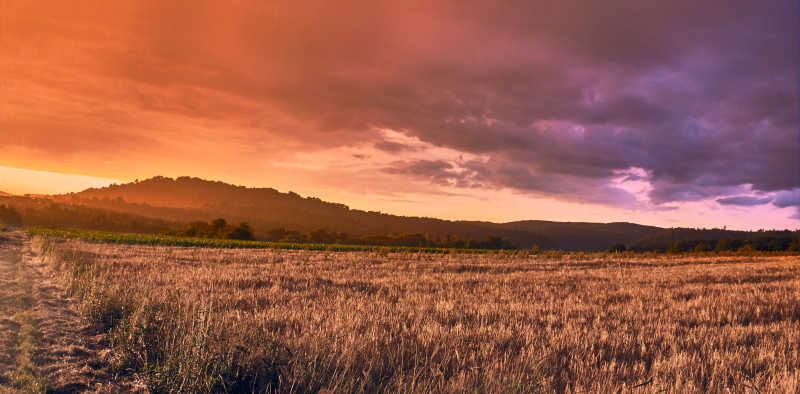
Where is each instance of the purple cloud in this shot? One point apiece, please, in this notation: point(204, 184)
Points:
point(745, 201)
point(787, 198)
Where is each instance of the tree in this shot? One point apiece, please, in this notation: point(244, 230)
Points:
point(217, 228)
point(493, 242)
point(195, 229)
point(723, 245)
point(294, 237)
point(276, 234)
point(9, 215)
point(616, 248)
point(674, 248)
point(702, 247)
point(242, 232)
point(321, 236)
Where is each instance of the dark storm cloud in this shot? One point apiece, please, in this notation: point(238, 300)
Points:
point(437, 171)
point(496, 174)
point(394, 147)
point(745, 201)
point(559, 96)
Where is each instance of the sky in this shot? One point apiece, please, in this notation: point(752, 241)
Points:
point(678, 113)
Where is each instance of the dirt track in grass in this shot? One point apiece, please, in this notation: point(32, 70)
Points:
point(44, 344)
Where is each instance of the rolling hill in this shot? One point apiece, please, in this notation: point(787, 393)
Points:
point(186, 199)
point(161, 204)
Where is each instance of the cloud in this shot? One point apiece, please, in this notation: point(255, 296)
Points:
point(558, 97)
point(497, 175)
point(395, 147)
point(787, 198)
point(437, 171)
point(745, 201)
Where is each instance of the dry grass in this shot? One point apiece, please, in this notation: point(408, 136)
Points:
point(197, 320)
point(23, 342)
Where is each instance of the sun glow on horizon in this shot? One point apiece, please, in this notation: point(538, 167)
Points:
point(22, 181)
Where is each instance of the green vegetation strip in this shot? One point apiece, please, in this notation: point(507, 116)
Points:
point(169, 240)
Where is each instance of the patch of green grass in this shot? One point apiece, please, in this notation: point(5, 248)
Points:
point(169, 240)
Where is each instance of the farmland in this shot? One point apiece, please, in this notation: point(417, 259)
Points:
point(211, 319)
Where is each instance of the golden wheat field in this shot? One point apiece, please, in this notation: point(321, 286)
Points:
point(197, 320)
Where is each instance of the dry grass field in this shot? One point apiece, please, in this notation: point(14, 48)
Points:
point(196, 320)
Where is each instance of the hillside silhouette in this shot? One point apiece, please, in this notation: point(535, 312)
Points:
point(161, 205)
point(188, 199)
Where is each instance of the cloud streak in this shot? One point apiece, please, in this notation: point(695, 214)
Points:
point(744, 201)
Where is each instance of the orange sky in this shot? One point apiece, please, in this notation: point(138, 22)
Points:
point(454, 110)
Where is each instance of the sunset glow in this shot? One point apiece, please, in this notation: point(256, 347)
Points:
point(670, 114)
point(21, 181)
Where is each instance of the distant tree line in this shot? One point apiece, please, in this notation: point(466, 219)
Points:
point(761, 241)
point(33, 211)
point(43, 212)
point(217, 228)
point(408, 239)
point(220, 229)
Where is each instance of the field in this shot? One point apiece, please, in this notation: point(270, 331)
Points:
point(196, 319)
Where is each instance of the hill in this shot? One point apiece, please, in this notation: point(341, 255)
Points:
point(188, 199)
point(166, 201)
point(44, 211)
point(588, 236)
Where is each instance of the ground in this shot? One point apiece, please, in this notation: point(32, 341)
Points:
point(45, 345)
point(192, 319)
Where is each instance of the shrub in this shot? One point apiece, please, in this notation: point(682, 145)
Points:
point(723, 245)
point(702, 247)
point(616, 248)
point(10, 216)
point(241, 232)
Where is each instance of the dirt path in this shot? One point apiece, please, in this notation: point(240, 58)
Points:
point(44, 344)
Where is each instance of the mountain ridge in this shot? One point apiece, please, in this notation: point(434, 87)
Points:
point(185, 199)
point(165, 205)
